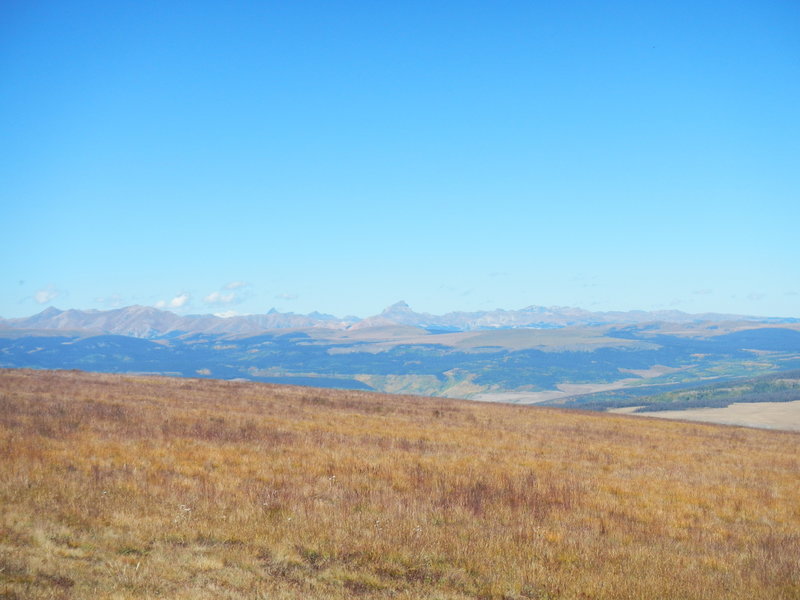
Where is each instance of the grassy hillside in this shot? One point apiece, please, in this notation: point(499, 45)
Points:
point(122, 487)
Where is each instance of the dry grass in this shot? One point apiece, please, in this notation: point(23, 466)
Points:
point(123, 487)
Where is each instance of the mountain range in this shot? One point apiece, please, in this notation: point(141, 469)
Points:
point(149, 323)
point(557, 355)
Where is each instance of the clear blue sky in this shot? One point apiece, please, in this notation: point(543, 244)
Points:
point(340, 156)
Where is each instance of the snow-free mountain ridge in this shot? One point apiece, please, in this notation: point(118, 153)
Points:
point(149, 322)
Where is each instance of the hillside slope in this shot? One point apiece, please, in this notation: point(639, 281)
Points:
point(126, 487)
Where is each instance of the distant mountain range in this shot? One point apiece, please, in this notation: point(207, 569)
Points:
point(565, 356)
point(148, 323)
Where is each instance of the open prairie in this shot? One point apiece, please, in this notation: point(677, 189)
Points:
point(126, 487)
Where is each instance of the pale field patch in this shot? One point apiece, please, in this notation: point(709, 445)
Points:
point(563, 390)
point(768, 415)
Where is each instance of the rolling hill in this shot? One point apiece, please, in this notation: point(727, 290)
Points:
point(141, 487)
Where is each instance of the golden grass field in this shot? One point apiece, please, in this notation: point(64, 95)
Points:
point(131, 487)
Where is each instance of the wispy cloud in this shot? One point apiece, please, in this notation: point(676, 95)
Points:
point(112, 301)
point(178, 301)
point(220, 298)
point(46, 295)
point(287, 297)
point(232, 292)
point(704, 292)
point(756, 296)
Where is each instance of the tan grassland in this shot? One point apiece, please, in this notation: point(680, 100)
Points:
point(131, 487)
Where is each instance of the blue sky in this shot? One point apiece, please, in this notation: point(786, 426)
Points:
point(340, 156)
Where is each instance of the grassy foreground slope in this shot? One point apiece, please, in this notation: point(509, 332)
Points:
point(124, 487)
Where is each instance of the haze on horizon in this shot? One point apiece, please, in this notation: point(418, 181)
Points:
point(215, 157)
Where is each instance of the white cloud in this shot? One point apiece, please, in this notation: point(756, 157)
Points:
point(286, 297)
point(45, 295)
point(230, 293)
point(179, 301)
point(220, 298)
